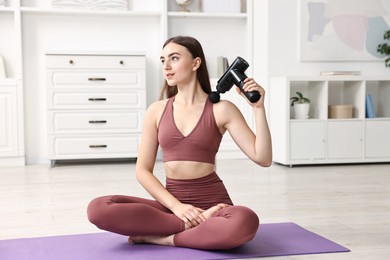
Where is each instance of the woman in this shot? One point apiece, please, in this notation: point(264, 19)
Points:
point(193, 209)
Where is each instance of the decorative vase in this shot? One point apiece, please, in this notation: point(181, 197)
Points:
point(301, 110)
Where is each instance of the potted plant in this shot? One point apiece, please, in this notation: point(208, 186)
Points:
point(384, 48)
point(301, 106)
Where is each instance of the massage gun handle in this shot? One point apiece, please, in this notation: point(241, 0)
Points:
point(252, 96)
point(238, 79)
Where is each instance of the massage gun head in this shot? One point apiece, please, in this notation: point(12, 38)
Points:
point(226, 82)
point(214, 97)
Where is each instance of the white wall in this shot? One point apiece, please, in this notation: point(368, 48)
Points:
point(261, 43)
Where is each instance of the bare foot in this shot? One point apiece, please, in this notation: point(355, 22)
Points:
point(214, 209)
point(157, 240)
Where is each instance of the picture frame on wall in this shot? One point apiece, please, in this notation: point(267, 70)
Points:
point(221, 6)
point(348, 30)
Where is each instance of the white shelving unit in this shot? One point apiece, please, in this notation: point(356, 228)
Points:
point(11, 88)
point(324, 140)
point(32, 28)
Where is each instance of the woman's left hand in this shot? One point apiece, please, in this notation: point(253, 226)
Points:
point(251, 85)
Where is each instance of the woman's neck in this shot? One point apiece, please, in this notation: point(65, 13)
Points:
point(190, 94)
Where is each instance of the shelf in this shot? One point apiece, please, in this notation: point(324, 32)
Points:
point(378, 119)
point(380, 92)
point(7, 9)
point(8, 81)
point(344, 119)
point(207, 15)
point(72, 12)
point(90, 52)
point(315, 91)
point(307, 120)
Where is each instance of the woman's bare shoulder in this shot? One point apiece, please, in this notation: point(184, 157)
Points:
point(157, 106)
point(225, 106)
point(155, 111)
point(226, 112)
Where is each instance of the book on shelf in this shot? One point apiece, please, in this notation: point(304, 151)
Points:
point(340, 73)
point(370, 107)
point(222, 65)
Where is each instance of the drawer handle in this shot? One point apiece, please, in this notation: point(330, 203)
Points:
point(97, 99)
point(71, 61)
point(96, 79)
point(98, 146)
point(121, 62)
point(97, 121)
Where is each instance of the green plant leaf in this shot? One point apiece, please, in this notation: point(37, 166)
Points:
point(386, 36)
point(293, 100)
point(384, 48)
point(387, 62)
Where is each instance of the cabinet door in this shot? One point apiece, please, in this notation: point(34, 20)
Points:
point(345, 139)
point(307, 140)
point(8, 123)
point(377, 139)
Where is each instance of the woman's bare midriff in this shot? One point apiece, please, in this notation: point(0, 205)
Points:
point(182, 170)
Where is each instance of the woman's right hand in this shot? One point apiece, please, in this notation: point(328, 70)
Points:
point(190, 215)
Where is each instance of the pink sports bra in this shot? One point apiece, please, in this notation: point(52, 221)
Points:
point(200, 145)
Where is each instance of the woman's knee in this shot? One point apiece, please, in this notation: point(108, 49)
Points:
point(244, 214)
point(97, 209)
point(247, 224)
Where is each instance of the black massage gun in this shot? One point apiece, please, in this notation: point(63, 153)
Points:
point(234, 75)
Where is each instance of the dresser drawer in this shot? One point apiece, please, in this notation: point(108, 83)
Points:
point(80, 147)
point(80, 79)
point(95, 61)
point(95, 122)
point(96, 100)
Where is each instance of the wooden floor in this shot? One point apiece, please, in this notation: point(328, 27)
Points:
point(349, 204)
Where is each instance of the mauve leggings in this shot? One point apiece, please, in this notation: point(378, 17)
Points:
point(131, 216)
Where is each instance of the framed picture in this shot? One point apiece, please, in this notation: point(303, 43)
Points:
point(221, 6)
point(348, 30)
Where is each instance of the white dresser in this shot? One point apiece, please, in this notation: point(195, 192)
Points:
point(95, 105)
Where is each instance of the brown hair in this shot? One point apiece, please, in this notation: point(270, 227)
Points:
point(202, 74)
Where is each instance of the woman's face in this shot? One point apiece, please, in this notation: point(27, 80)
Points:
point(179, 67)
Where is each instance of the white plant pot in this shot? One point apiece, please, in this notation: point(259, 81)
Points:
point(301, 111)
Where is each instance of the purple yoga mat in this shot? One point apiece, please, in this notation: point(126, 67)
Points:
point(278, 239)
